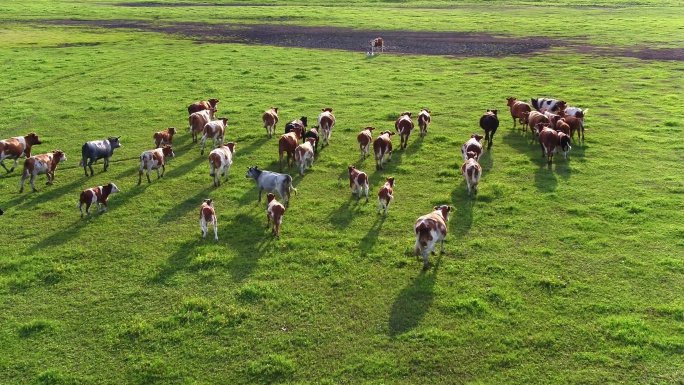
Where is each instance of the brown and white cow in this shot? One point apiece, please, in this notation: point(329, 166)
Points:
point(288, 143)
point(164, 137)
point(536, 118)
point(365, 138)
point(575, 124)
point(203, 105)
point(17, 147)
point(198, 120)
point(473, 144)
point(382, 145)
point(563, 126)
point(270, 119)
point(96, 195)
point(154, 160)
point(274, 213)
point(326, 122)
point(216, 130)
point(358, 182)
point(385, 195)
point(424, 121)
point(517, 108)
point(429, 230)
point(208, 215)
point(377, 44)
point(404, 126)
point(41, 164)
point(472, 172)
point(220, 160)
point(548, 140)
point(304, 155)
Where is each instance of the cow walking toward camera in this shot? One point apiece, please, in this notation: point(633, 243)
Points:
point(382, 145)
point(385, 195)
point(41, 164)
point(365, 138)
point(154, 160)
point(404, 127)
point(270, 119)
point(220, 160)
point(424, 121)
point(326, 122)
point(429, 230)
point(96, 196)
point(274, 213)
point(489, 122)
point(358, 182)
point(472, 172)
point(377, 45)
point(16, 148)
point(207, 216)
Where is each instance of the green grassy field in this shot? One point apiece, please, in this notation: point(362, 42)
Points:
point(572, 274)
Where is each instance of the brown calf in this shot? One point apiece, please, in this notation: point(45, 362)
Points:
point(358, 182)
point(404, 126)
point(270, 119)
point(385, 195)
point(41, 164)
point(364, 138)
point(197, 121)
point(208, 215)
point(216, 130)
point(517, 108)
point(274, 212)
point(326, 122)
point(96, 195)
point(473, 144)
point(429, 230)
point(548, 139)
point(164, 137)
point(377, 44)
point(203, 105)
point(574, 123)
point(382, 145)
point(288, 143)
point(17, 147)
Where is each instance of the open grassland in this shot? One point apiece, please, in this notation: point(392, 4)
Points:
point(572, 274)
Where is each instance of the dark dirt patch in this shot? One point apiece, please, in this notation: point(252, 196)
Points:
point(398, 42)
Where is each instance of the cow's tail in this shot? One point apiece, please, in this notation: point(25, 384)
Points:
point(81, 163)
point(423, 232)
point(289, 185)
point(535, 103)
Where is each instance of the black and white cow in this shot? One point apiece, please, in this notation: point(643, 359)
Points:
point(98, 149)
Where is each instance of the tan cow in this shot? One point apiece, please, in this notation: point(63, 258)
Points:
point(41, 164)
point(517, 109)
point(270, 119)
point(17, 147)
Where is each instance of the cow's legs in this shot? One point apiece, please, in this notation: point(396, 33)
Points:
point(260, 191)
point(2, 163)
point(106, 163)
point(366, 188)
point(163, 167)
point(33, 178)
point(203, 227)
point(268, 223)
point(90, 165)
point(426, 264)
point(226, 168)
point(213, 222)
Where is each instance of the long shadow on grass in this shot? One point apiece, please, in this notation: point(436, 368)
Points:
point(45, 193)
point(461, 220)
point(371, 238)
point(249, 237)
point(178, 261)
point(190, 203)
point(544, 177)
point(66, 232)
point(413, 302)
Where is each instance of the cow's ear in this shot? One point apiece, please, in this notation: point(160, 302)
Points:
point(436, 208)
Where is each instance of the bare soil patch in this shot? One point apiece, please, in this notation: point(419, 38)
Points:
point(397, 42)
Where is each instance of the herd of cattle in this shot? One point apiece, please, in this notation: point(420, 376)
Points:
point(552, 122)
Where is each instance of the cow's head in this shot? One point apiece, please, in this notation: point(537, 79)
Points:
point(426, 110)
point(270, 197)
point(406, 113)
point(253, 172)
point(172, 131)
point(209, 202)
point(510, 102)
point(390, 181)
point(113, 187)
point(471, 155)
point(304, 121)
point(445, 211)
point(369, 128)
point(312, 141)
point(560, 106)
point(213, 102)
point(327, 109)
point(32, 139)
point(275, 109)
point(351, 169)
point(231, 147)
point(492, 112)
point(564, 142)
point(114, 142)
point(388, 133)
point(477, 137)
point(168, 152)
point(59, 156)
